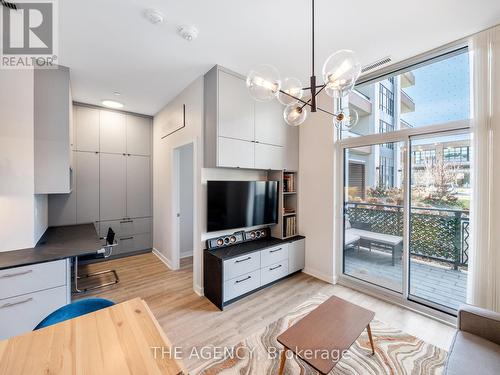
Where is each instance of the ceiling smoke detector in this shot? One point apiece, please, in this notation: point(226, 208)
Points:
point(154, 16)
point(188, 32)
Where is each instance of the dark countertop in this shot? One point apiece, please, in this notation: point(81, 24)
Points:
point(249, 247)
point(56, 243)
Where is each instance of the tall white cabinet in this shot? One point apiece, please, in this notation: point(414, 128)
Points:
point(243, 133)
point(112, 181)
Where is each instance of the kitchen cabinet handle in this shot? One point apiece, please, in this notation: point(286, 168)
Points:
point(126, 238)
point(274, 268)
point(10, 304)
point(15, 274)
point(126, 221)
point(245, 279)
point(242, 260)
point(275, 250)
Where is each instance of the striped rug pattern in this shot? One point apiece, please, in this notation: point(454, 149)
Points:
point(396, 352)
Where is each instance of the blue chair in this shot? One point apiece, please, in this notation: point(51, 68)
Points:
point(73, 310)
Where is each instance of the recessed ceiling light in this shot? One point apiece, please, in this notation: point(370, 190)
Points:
point(154, 16)
point(188, 32)
point(116, 93)
point(112, 104)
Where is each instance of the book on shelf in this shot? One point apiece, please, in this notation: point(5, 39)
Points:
point(288, 182)
point(290, 226)
point(288, 210)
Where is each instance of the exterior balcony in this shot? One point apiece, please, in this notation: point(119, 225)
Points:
point(407, 103)
point(361, 103)
point(407, 79)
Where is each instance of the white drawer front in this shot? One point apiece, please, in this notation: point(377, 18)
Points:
point(274, 272)
point(126, 227)
point(134, 242)
point(241, 285)
point(21, 314)
point(274, 254)
point(239, 266)
point(28, 279)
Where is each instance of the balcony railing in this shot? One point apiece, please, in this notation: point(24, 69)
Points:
point(436, 233)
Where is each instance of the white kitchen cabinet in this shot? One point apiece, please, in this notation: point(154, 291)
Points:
point(291, 149)
point(138, 135)
point(112, 186)
point(236, 108)
point(112, 132)
point(86, 129)
point(138, 188)
point(236, 153)
point(268, 156)
point(51, 131)
point(87, 187)
point(296, 255)
point(62, 207)
point(270, 127)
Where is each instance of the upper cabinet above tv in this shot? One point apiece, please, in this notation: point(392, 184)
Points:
point(243, 133)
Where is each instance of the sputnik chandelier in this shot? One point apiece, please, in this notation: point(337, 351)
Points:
point(340, 72)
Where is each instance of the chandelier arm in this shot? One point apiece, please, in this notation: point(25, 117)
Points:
point(315, 94)
point(304, 103)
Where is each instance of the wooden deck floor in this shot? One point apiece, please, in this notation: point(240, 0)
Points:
point(191, 321)
point(429, 281)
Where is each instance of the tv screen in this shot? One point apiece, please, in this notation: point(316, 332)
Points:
point(238, 204)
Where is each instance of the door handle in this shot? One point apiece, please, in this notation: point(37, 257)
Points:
point(5, 305)
point(245, 279)
point(242, 260)
point(15, 274)
point(275, 250)
point(126, 238)
point(126, 221)
point(274, 268)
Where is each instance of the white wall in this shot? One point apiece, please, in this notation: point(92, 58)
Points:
point(316, 192)
point(164, 215)
point(22, 221)
point(186, 204)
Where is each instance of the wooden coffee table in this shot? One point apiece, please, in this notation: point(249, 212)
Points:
point(321, 337)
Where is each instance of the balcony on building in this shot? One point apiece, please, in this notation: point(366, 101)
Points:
point(407, 103)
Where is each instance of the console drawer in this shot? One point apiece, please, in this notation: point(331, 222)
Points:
point(27, 279)
point(241, 285)
point(241, 265)
point(22, 313)
point(274, 254)
point(274, 272)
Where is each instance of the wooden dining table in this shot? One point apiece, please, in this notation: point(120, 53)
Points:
point(121, 339)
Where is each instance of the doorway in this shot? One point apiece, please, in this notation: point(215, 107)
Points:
point(184, 204)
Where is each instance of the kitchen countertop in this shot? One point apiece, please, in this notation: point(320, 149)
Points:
point(249, 247)
point(56, 243)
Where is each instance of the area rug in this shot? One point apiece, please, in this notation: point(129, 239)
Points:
point(396, 352)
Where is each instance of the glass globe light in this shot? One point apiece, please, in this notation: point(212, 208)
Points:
point(294, 115)
point(263, 83)
point(346, 119)
point(291, 86)
point(340, 72)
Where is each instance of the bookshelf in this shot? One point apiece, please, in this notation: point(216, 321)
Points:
point(288, 204)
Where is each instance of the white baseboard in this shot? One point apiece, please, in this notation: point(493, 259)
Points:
point(319, 275)
point(186, 254)
point(163, 258)
point(198, 290)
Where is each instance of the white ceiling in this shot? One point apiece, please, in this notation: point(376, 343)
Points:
point(110, 46)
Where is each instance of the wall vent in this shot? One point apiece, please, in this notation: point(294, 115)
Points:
point(376, 64)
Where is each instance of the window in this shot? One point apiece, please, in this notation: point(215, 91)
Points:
point(422, 157)
point(386, 99)
point(456, 154)
point(386, 172)
point(385, 127)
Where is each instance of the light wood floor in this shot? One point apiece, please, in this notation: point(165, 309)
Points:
point(190, 320)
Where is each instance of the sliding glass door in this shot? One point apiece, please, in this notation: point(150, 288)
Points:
point(373, 214)
point(439, 219)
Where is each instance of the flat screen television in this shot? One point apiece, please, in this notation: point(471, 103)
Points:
point(238, 204)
